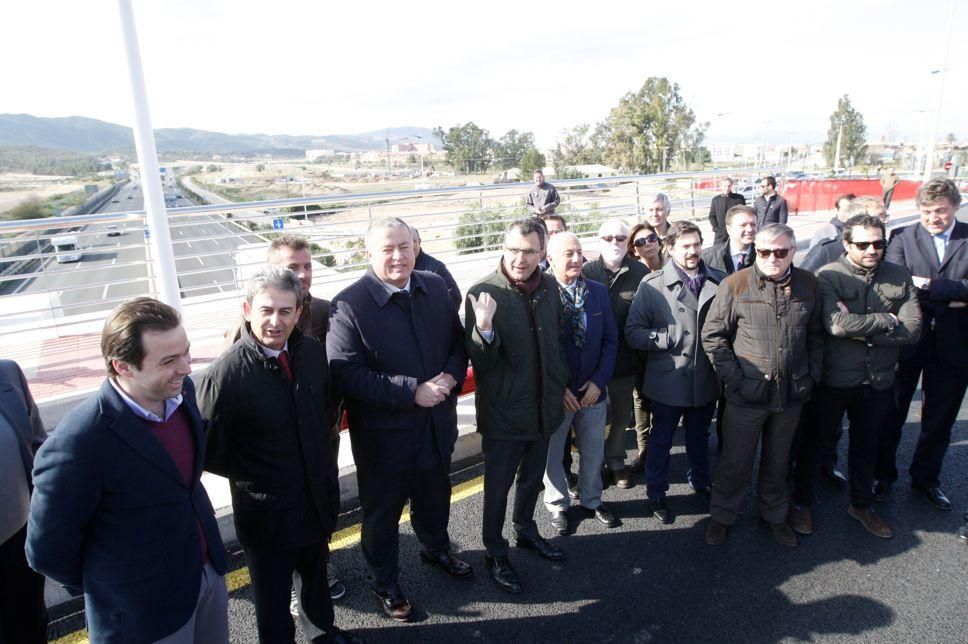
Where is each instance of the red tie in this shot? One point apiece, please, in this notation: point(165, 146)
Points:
point(283, 359)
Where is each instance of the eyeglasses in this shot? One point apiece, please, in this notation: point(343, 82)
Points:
point(517, 252)
point(642, 241)
point(779, 253)
point(878, 244)
point(619, 238)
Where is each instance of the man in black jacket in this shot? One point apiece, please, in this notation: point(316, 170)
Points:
point(267, 401)
point(736, 252)
point(425, 262)
point(771, 208)
point(720, 206)
point(621, 274)
point(396, 350)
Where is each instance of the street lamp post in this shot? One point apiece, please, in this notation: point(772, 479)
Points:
point(929, 160)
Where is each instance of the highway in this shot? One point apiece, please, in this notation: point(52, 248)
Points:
point(114, 265)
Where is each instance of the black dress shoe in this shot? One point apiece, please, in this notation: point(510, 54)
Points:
point(449, 564)
point(659, 508)
point(703, 490)
point(503, 574)
point(395, 604)
point(542, 548)
point(880, 490)
point(573, 493)
point(833, 476)
point(559, 521)
point(935, 496)
point(605, 517)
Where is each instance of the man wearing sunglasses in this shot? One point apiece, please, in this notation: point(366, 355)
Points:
point(935, 250)
point(764, 338)
point(621, 274)
point(870, 311)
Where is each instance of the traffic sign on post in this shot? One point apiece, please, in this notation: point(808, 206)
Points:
point(278, 223)
point(947, 165)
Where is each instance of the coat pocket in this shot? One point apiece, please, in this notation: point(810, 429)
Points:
point(754, 387)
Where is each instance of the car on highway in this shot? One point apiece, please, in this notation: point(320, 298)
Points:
point(130, 196)
point(114, 230)
point(115, 201)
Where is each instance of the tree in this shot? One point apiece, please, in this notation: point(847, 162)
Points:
point(31, 208)
point(531, 160)
point(468, 147)
point(580, 145)
point(510, 149)
point(649, 128)
point(853, 139)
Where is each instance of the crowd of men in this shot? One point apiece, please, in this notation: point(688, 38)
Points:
point(563, 351)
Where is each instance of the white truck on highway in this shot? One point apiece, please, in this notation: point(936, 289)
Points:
point(66, 248)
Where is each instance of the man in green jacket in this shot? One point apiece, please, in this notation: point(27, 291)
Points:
point(513, 319)
point(869, 310)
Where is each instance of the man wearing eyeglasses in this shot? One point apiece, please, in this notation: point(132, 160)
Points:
point(935, 250)
point(514, 328)
point(720, 206)
point(869, 310)
point(771, 208)
point(621, 274)
point(764, 338)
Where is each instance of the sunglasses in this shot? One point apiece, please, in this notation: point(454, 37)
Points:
point(779, 253)
point(879, 244)
point(642, 241)
point(619, 238)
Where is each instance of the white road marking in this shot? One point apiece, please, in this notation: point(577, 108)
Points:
point(104, 294)
point(200, 261)
point(114, 261)
point(219, 286)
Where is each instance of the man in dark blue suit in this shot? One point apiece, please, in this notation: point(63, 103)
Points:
point(396, 352)
point(590, 344)
point(935, 250)
point(118, 509)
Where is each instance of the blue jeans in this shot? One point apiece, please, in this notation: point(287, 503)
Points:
point(665, 419)
point(589, 424)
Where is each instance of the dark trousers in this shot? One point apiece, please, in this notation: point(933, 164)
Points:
point(867, 410)
point(508, 462)
point(742, 431)
point(274, 572)
point(23, 614)
point(805, 454)
point(942, 390)
point(642, 408)
point(665, 419)
point(382, 497)
point(888, 195)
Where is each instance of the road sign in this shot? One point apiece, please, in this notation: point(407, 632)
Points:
point(278, 223)
point(947, 165)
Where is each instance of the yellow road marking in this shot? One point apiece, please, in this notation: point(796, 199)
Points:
point(342, 539)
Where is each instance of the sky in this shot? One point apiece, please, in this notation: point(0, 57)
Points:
point(754, 70)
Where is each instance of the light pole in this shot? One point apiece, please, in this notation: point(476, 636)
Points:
point(929, 161)
point(840, 136)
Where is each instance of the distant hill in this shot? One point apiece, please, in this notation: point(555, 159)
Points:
point(91, 136)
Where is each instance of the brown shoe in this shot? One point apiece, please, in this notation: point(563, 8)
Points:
point(622, 479)
point(801, 519)
point(716, 533)
point(638, 463)
point(783, 534)
point(871, 522)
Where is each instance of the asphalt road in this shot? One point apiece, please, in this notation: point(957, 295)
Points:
point(646, 582)
point(114, 268)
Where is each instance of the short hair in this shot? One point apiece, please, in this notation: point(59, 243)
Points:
point(679, 228)
point(852, 209)
point(527, 226)
point(774, 231)
point(560, 238)
point(636, 229)
point(730, 179)
point(739, 209)
point(850, 196)
point(386, 223)
point(557, 218)
point(872, 205)
point(275, 277)
point(663, 198)
point(536, 171)
point(938, 189)
point(414, 233)
point(121, 337)
point(770, 180)
point(294, 242)
point(866, 221)
point(612, 222)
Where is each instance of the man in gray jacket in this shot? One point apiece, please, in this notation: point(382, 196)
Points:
point(668, 311)
point(765, 340)
point(870, 309)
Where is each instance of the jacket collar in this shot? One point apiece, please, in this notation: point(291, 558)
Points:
point(374, 286)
